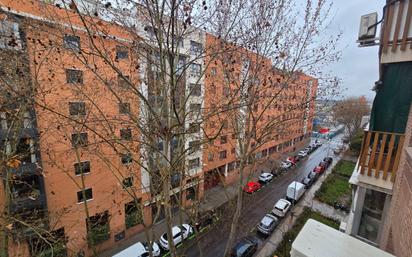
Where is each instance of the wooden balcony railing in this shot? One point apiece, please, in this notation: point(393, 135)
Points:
point(380, 154)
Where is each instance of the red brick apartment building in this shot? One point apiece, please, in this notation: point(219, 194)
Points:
point(78, 132)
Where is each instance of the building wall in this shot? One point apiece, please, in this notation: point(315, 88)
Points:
point(398, 231)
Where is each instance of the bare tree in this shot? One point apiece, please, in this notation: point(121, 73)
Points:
point(349, 112)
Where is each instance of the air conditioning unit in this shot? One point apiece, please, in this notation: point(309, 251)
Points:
point(367, 29)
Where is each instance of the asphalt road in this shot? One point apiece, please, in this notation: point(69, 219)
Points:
point(255, 206)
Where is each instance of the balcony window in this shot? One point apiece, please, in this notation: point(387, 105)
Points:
point(223, 140)
point(195, 109)
point(134, 215)
point(175, 180)
point(124, 108)
point(127, 182)
point(194, 163)
point(126, 134)
point(24, 150)
point(195, 90)
point(49, 245)
point(10, 35)
point(195, 48)
point(193, 128)
point(191, 193)
point(222, 155)
point(122, 52)
point(77, 108)
point(79, 139)
point(74, 76)
point(195, 69)
point(126, 158)
point(71, 42)
point(123, 81)
point(210, 157)
point(98, 228)
point(82, 168)
point(194, 146)
point(84, 195)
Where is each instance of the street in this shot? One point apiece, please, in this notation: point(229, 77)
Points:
point(255, 206)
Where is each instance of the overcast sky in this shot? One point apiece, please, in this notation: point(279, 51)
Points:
point(358, 67)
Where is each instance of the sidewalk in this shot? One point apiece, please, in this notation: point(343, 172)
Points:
point(308, 200)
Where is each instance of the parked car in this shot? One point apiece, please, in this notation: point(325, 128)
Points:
point(319, 170)
point(302, 153)
point(295, 191)
point(265, 177)
point(268, 224)
point(313, 175)
point(281, 208)
point(309, 149)
point(252, 187)
point(318, 143)
point(324, 164)
point(285, 165)
point(140, 250)
point(246, 247)
point(308, 181)
point(292, 160)
point(328, 160)
point(180, 233)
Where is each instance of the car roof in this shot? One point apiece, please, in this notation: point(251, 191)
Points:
point(251, 183)
point(268, 219)
point(282, 203)
point(134, 250)
point(265, 174)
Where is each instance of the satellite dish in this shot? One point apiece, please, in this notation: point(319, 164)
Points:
point(367, 29)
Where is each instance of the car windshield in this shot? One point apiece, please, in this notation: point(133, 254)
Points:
point(146, 246)
point(279, 209)
point(242, 248)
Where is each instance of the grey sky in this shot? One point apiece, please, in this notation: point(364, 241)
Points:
point(358, 67)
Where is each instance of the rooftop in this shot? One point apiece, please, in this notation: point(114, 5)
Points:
point(318, 240)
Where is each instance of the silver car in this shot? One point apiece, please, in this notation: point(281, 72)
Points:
point(268, 224)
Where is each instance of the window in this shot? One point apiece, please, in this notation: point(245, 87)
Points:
point(124, 108)
point(231, 166)
point(77, 108)
point(98, 229)
point(222, 155)
point(126, 158)
point(195, 108)
point(194, 163)
point(82, 168)
point(84, 195)
point(122, 52)
point(194, 146)
point(127, 182)
point(53, 241)
point(123, 81)
point(9, 35)
point(233, 136)
point(74, 76)
point(210, 157)
point(223, 140)
point(72, 42)
point(233, 151)
point(190, 193)
point(195, 69)
point(195, 89)
point(133, 213)
point(195, 47)
point(225, 124)
point(126, 134)
point(193, 128)
point(79, 139)
point(213, 71)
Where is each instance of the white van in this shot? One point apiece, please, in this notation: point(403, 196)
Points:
point(295, 191)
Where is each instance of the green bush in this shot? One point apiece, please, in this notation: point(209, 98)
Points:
point(285, 245)
point(344, 168)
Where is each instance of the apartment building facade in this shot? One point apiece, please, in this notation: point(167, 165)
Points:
point(380, 213)
point(79, 143)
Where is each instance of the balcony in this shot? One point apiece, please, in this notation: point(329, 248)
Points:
point(380, 155)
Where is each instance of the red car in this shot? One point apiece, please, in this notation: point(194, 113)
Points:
point(292, 160)
point(319, 169)
point(252, 187)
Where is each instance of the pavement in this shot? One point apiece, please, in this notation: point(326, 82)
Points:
point(212, 243)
